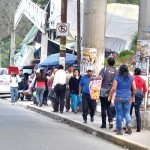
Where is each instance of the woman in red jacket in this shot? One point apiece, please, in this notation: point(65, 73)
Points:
point(141, 87)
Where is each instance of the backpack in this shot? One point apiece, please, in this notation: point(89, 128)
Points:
point(106, 91)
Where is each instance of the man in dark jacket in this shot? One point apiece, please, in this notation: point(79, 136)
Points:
point(21, 85)
point(108, 74)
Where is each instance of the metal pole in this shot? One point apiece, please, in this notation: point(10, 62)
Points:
point(78, 33)
point(62, 59)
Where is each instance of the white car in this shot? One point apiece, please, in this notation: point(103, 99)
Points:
point(3, 71)
point(4, 84)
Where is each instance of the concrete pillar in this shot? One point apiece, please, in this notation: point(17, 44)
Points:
point(12, 47)
point(0, 58)
point(94, 28)
point(44, 46)
point(52, 35)
point(144, 19)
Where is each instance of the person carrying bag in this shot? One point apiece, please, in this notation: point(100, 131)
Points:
point(107, 74)
point(141, 89)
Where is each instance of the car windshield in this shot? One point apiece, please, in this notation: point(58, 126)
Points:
point(3, 71)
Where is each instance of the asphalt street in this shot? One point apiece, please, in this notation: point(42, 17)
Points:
point(22, 129)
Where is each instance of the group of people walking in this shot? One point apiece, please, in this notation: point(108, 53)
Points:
point(120, 93)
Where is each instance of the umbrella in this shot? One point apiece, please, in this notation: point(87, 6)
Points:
point(53, 60)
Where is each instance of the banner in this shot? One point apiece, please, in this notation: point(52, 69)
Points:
point(142, 56)
point(88, 58)
point(33, 12)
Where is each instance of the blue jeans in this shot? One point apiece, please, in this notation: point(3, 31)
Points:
point(39, 95)
point(122, 111)
point(14, 94)
point(76, 101)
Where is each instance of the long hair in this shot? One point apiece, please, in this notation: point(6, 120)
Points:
point(124, 72)
point(42, 72)
point(76, 70)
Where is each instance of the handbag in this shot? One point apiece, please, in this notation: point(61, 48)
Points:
point(105, 92)
point(52, 95)
point(139, 95)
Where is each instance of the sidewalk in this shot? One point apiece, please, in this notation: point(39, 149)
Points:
point(135, 141)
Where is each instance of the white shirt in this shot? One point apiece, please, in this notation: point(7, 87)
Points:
point(60, 77)
point(14, 81)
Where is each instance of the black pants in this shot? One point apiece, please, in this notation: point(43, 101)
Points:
point(106, 109)
point(60, 94)
point(88, 104)
point(45, 97)
point(137, 114)
point(68, 97)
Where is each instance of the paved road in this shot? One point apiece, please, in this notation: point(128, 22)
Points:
point(21, 129)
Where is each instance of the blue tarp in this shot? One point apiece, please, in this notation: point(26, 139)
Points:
point(53, 60)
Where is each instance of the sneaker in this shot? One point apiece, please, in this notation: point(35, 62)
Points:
point(103, 126)
point(138, 130)
point(92, 119)
point(61, 112)
point(75, 112)
point(129, 131)
point(84, 121)
point(67, 110)
point(110, 125)
point(119, 132)
point(13, 103)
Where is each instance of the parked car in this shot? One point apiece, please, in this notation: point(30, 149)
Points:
point(4, 84)
point(3, 71)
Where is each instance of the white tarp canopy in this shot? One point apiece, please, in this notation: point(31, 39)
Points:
point(25, 58)
point(121, 22)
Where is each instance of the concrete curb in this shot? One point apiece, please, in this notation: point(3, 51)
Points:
point(132, 145)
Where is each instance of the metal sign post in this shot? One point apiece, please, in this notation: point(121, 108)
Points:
point(62, 28)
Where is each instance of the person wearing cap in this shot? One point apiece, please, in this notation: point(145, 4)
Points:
point(69, 74)
point(59, 86)
point(87, 102)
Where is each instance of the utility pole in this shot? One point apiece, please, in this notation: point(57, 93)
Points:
point(94, 28)
point(144, 19)
point(62, 59)
point(78, 33)
point(143, 34)
point(12, 47)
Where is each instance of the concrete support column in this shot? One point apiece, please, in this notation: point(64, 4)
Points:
point(94, 28)
point(12, 47)
point(44, 46)
point(0, 58)
point(144, 19)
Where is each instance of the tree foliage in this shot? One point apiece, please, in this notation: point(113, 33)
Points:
point(41, 2)
point(124, 1)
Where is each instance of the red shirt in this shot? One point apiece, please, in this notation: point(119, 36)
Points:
point(140, 83)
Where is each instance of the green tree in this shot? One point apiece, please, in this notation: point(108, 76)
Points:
point(41, 2)
point(124, 1)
